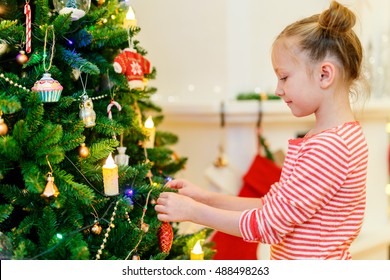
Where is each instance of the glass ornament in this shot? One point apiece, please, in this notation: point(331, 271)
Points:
point(87, 114)
point(3, 126)
point(145, 227)
point(121, 158)
point(51, 189)
point(77, 8)
point(48, 89)
point(21, 58)
point(83, 151)
point(96, 228)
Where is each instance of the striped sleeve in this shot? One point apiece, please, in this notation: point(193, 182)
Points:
point(317, 174)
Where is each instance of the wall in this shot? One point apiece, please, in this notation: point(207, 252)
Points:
point(208, 51)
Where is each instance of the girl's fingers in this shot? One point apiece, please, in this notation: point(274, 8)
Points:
point(175, 184)
point(158, 208)
point(162, 217)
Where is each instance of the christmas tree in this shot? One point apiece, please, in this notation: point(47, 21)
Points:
point(80, 170)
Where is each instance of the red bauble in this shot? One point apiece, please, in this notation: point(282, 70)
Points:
point(165, 235)
point(21, 58)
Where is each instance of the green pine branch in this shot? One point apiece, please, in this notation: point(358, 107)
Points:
point(42, 12)
point(76, 61)
point(5, 211)
point(11, 32)
point(9, 104)
point(108, 37)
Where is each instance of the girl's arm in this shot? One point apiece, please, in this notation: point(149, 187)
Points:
point(230, 202)
point(173, 207)
point(214, 199)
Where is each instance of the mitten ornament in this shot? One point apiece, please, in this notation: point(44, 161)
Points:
point(134, 66)
point(165, 235)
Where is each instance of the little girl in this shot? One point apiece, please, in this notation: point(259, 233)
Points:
point(316, 209)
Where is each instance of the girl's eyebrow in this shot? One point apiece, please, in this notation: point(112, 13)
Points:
point(278, 70)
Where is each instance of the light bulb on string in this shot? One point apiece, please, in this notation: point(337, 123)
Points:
point(128, 196)
point(69, 42)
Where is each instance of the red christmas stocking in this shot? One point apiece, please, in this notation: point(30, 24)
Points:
point(262, 173)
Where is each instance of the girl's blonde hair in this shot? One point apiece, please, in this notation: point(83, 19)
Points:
point(330, 34)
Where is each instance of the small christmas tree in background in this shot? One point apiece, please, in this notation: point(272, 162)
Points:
point(80, 170)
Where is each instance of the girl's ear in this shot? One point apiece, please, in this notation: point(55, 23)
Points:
point(327, 74)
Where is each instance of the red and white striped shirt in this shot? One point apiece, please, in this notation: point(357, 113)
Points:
point(316, 209)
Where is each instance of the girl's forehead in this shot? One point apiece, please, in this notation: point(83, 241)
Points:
point(288, 45)
point(281, 54)
point(287, 50)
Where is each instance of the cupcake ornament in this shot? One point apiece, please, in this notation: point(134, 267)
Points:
point(48, 89)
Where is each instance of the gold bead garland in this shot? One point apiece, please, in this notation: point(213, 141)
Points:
point(110, 226)
point(99, 97)
point(12, 83)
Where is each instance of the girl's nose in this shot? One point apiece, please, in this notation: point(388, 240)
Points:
point(279, 92)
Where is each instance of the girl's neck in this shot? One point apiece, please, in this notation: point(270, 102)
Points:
point(337, 113)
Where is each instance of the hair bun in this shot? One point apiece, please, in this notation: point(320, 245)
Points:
point(337, 19)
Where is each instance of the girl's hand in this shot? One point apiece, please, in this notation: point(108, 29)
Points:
point(174, 207)
point(189, 189)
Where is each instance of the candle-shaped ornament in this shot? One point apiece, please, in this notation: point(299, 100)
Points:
point(151, 132)
point(197, 252)
point(110, 177)
point(130, 20)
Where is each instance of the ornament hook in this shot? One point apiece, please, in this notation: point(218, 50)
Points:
point(48, 162)
point(52, 49)
point(84, 85)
